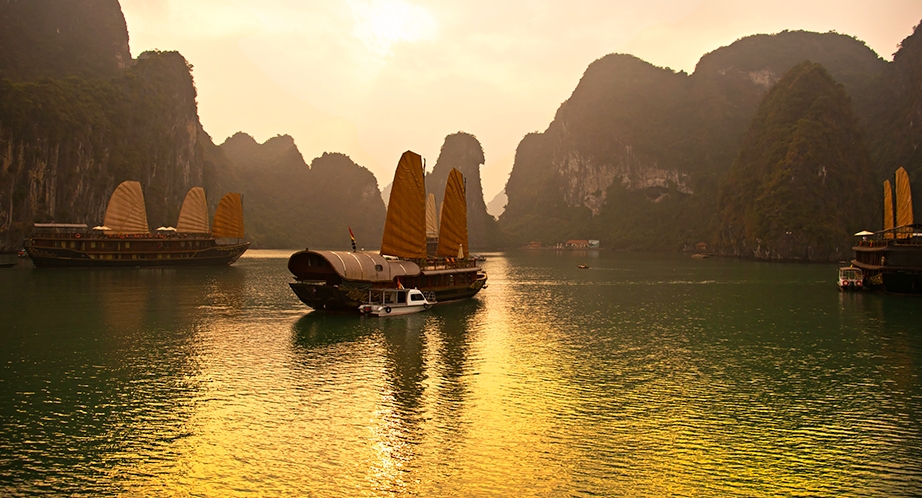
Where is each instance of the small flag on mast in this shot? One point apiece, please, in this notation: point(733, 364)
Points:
point(352, 236)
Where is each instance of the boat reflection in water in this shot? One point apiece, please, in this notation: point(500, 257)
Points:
point(406, 381)
point(341, 280)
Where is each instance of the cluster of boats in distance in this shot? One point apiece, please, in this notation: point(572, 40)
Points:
point(423, 259)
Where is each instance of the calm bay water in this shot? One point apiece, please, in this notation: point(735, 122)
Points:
point(643, 375)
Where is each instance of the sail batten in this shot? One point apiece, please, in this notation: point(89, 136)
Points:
point(405, 223)
point(193, 216)
point(453, 222)
point(126, 213)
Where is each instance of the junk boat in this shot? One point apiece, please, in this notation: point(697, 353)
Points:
point(415, 251)
point(392, 302)
point(891, 259)
point(125, 240)
point(850, 278)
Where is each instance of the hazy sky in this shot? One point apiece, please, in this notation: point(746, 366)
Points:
point(373, 78)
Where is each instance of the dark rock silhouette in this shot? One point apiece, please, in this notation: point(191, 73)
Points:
point(463, 152)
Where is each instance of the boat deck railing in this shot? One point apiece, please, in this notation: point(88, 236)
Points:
point(907, 235)
point(59, 233)
point(447, 263)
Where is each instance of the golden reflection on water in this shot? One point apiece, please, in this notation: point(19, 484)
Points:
point(617, 380)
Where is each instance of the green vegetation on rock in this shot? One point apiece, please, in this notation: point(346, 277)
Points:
point(290, 205)
point(636, 155)
point(791, 194)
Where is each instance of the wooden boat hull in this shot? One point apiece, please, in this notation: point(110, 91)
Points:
point(339, 281)
point(146, 253)
point(895, 268)
point(346, 298)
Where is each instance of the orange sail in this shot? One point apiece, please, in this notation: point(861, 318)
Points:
point(432, 225)
point(228, 218)
point(193, 216)
point(126, 213)
point(903, 202)
point(453, 224)
point(888, 209)
point(405, 224)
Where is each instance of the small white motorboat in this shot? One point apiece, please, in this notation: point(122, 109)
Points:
point(850, 278)
point(391, 302)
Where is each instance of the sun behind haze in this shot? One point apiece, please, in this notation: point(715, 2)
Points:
point(373, 78)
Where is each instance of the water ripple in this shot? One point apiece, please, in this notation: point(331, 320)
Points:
point(640, 376)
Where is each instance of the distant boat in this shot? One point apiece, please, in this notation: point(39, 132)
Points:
point(125, 240)
point(700, 256)
point(340, 280)
point(582, 267)
point(891, 259)
point(393, 302)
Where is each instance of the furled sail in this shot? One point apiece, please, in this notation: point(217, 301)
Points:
point(228, 217)
point(453, 225)
point(888, 209)
point(126, 213)
point(193, 216)
point(432, 225)
point(405, 224)
point(903, 202)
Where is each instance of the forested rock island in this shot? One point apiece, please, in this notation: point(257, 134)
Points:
point(773, 148)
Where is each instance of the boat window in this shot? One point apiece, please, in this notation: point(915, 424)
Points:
point(127, 245)
point(401, 296)
point(379, 268)
point(416, 297)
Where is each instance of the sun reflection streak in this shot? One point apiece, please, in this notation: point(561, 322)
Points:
point(554, 381)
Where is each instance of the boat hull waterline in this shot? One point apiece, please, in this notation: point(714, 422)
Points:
point(45, 255)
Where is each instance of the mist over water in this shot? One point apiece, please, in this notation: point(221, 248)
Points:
point(642, 375)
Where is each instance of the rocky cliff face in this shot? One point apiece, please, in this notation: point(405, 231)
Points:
point(587, 183)
point(462, 151)
point(65, 144)
point(289, 204)
point(896, 138)
point(55, 39)
point(791, 192)
point(635, 155)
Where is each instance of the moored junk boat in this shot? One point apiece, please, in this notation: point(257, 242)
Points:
point(891, 259)
point(409, 257)
point(125, 240)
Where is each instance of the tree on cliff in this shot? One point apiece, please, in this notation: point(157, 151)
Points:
point(803, 182)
